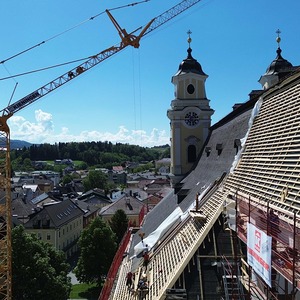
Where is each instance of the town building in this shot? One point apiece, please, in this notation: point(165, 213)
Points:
point(95, 197)
point(132, 207)
point(117, 176)
point(59, 224)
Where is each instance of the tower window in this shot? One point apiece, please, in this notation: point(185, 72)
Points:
point(190, 89)
point(192, 153)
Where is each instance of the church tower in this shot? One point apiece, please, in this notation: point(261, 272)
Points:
point(278, 68)
point(190, 116)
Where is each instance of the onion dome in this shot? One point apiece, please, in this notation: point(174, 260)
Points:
point(279, 65)
point(190, 65)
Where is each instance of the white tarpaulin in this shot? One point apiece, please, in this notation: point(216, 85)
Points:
point(254, 113)
point(154, 237)
point(259, 252)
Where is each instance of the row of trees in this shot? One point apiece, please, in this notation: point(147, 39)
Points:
point(41, 272)
point(93, 153)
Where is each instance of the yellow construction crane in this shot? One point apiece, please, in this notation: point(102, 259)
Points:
point(5, 167)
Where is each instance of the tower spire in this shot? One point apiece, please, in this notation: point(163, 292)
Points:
point(278, 39)
point(189, 39)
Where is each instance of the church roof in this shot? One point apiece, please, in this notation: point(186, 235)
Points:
point(190, 65)
point(234, 127)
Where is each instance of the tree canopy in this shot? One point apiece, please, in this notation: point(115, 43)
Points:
point(97, 245)
point(39, 270)
point(119, 224)
point(103, 154)
point(95, 179)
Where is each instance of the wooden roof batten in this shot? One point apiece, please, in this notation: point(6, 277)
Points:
point(269, 167)
point(176, 249)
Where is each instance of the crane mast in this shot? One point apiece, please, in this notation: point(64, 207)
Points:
point(5, 166)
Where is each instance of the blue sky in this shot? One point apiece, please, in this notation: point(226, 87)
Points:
point(125, 98)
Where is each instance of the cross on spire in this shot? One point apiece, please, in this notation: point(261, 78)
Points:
point(189, 40)
point(278, 39)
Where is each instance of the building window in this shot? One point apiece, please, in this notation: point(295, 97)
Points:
point(192, 153)
point(208, 151)
point(190, 89)
point(48, 236)
point(39, 236)
point(219, 148)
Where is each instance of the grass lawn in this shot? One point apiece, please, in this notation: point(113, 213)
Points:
point(85, 291)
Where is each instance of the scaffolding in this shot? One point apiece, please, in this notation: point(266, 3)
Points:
point(231, 277)
point(283, 228)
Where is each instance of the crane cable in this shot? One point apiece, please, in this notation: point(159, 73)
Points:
point(70, 62)
point(43, 69)
point(59, 34)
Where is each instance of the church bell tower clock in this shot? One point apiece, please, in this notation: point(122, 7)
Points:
point(190, 116)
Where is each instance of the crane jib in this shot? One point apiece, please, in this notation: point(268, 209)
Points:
point(23, 102)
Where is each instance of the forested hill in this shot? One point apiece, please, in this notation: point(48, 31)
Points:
point(17, 144)
point(93, 153)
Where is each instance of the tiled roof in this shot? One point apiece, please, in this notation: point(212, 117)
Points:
point(130, 205)
point(215, 165)
point(59, 214)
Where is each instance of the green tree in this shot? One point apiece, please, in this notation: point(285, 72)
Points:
point(97, 249)
point(82, 166)
point(95, 179)
point(67, 179)
point(39, 270)
point(27, 165)
point(166, 153)
point(119, 224)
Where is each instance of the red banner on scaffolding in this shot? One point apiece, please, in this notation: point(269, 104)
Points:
point(259, 248)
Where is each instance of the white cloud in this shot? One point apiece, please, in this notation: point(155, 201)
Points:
point(42, 131)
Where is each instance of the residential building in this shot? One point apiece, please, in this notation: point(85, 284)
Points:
point(133, 208)
point(95, 197)
point(90, 212)
point(117, 176)
point(59, 224)
point(163, 165)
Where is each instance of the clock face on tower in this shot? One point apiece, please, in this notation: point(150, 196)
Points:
point(191, 119)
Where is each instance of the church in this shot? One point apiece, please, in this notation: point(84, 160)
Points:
point(230, 227)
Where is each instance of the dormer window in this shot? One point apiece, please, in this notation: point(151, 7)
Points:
point(237, 145)
point(208, 151)
point(219, 148)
